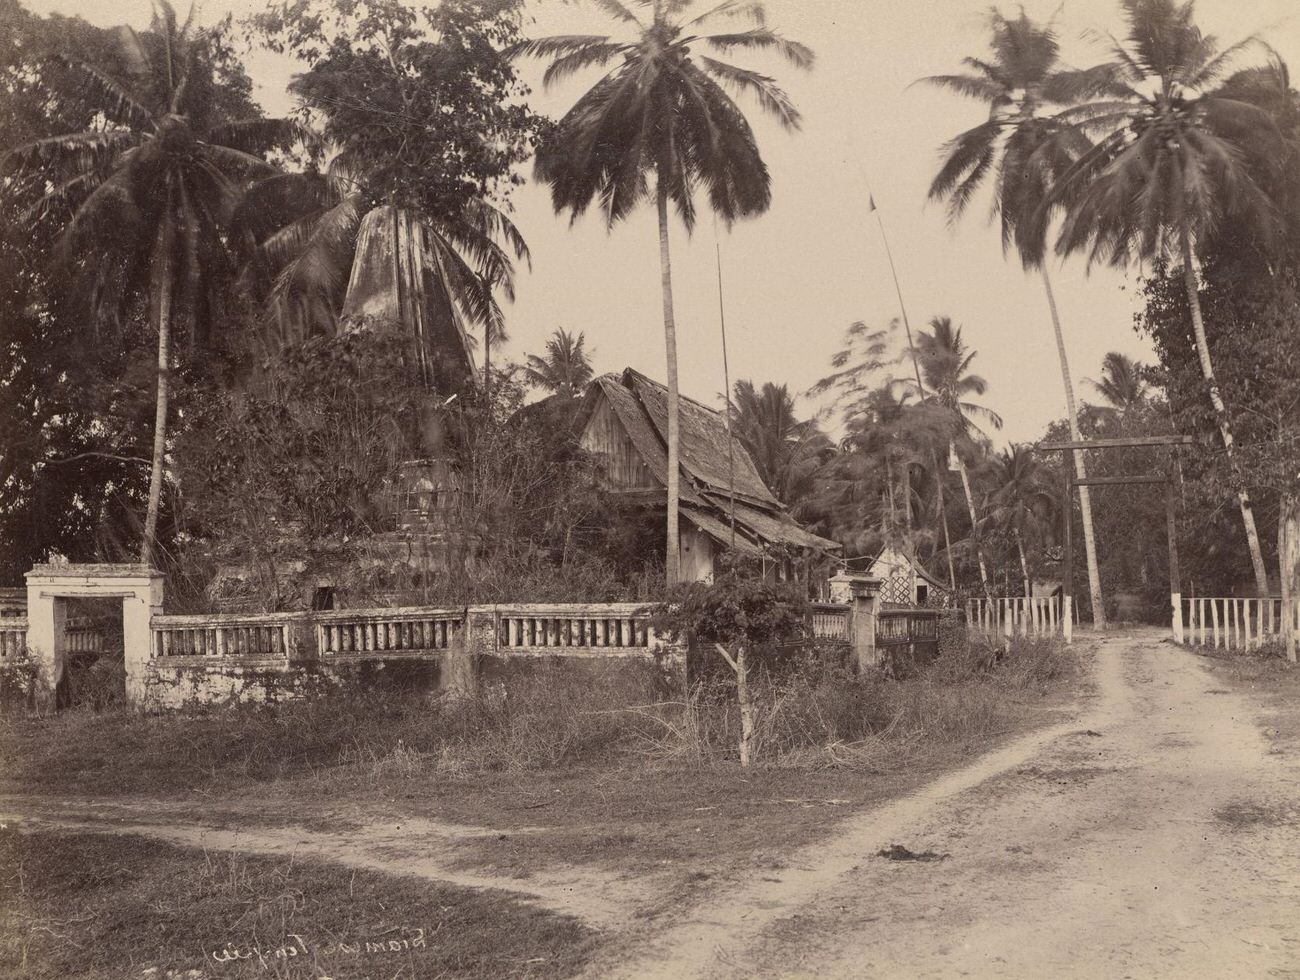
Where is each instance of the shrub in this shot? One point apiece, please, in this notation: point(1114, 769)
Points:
point(18, 678)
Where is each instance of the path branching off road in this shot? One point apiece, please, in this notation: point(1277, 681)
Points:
point(1154, 834)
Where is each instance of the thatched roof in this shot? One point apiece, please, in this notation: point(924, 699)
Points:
point(641, 406)
point(703, 444)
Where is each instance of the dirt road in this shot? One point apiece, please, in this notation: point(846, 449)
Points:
point(1155, 836)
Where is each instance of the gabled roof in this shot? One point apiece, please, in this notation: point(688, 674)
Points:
point(703, 443)
point(641, 406)
point(916, 565)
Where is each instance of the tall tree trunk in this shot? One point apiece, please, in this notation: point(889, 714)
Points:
point(943, 511)
point(1080, 468)
point(1024, 565)
point(907, 497)
point(164, 272)
point(1288, 560)
point(1220, 409)
point(672, 557)
point(889, 485)
point(974, 521)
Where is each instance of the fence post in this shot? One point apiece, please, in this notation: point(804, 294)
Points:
point(477, 636)
point(1067, 617)
point(863, 591)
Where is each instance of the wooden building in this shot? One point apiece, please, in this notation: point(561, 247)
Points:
point(624, 427)
point(905, 581)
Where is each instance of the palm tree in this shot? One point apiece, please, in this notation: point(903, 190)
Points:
point(1123, 383)
point(786, 452)
point(1168, 166)
point(1019, 500)
point(945, 362)
point(1021, 149)
point(895, 434)
point(665, 108)
point(148, 196)
point(566, 368)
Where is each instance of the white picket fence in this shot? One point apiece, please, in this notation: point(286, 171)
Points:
point(1019, 616)
point(1233, 623)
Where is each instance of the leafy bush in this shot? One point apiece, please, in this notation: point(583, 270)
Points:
point(18, 679)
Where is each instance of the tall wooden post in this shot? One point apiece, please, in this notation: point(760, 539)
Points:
point(1067, 574)
point(1175, 585)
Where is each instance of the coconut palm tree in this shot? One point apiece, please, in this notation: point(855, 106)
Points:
point(895, 434)
point(945, 361)
point(566, 368)
point(1168, 166)
point(1021, 148)
point(664, 108)
point(1123, 383)
point(1019, 501)
point(786, 451)
point(148, 196)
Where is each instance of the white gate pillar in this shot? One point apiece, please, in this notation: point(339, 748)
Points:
point(138, 586)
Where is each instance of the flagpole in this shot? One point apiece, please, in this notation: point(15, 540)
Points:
point(920, 385)
point(726, 380)
point(893, 271)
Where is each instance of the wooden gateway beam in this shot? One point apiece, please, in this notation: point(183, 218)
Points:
point(1122, 443)
point(1117, 481)
point(1071, 481)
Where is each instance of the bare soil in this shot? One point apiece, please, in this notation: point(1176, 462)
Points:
point(1158, 835)
point(1153, 831)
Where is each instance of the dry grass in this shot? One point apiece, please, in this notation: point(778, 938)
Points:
point(604, 770)
point(111, 907)
point(601, 716)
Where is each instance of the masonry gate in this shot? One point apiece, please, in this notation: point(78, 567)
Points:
point(50, 586)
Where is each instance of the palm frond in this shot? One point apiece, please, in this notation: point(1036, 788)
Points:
point(732, 8)
point(256, 135)
point(971, 86)
point(236, 163)
point(592, 55)
point(618, 11)
point(75, 151)
point(559, 44)
point(761, 38)
point(117, 103)
point(763, 87)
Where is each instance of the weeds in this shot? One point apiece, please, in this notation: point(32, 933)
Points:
point(817, 716)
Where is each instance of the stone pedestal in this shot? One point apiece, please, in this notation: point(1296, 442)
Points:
point(49, 586)
point(861, 592)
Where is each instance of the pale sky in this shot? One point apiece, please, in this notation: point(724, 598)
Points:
point(796, 277)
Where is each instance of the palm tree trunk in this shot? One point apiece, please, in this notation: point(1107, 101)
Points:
point(943, 511)
point(672, 557)
point(1220, 409)
point(907, 496)
point(889, 485)
point(1080, 469)
point(1288, 558)
point(974, 521)
point(1024, 565)
point(164, 272)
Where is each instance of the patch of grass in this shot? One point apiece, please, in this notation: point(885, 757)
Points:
point(562, 715)
point(108, 907)
point(554, 718)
